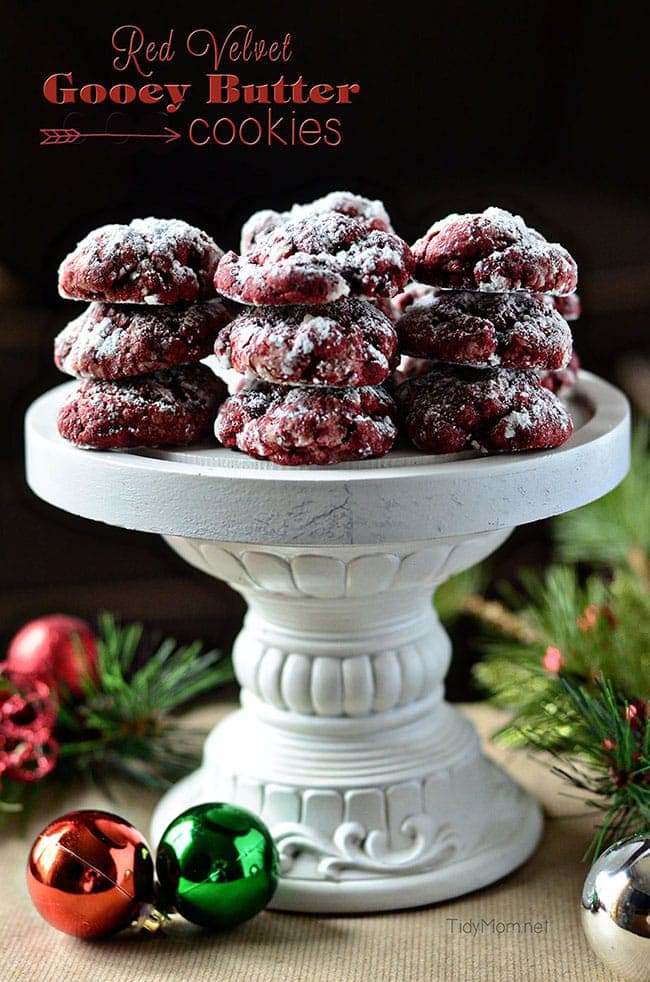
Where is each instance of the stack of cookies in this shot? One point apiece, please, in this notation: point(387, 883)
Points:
point(562, 379)
point(313, 340)
point(153, 316)
point(488, 318)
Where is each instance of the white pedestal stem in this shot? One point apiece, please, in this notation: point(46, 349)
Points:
point(374, 789)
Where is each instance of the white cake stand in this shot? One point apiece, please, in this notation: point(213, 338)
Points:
point(375, 789)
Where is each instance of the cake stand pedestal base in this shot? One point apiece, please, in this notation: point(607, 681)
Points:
point(374, 788)
point(506, 834)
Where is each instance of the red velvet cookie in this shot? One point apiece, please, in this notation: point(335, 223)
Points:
point(569, 306)
point(316, 260)
point(175, 405)
point(409, 367)
point(348, 343)
point(516, 330)
point(564, 378)
point(370, 213)
point(152, 260)
point(492, 251)
point(452, 409)
point(385, 305)
point(119, 340)
point(303, 425)
point(411, 293)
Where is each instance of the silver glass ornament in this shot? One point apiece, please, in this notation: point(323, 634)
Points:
point(616, 908)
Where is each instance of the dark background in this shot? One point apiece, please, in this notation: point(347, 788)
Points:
point(538, 107)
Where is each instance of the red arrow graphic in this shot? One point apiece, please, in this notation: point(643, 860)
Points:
point(60, 137)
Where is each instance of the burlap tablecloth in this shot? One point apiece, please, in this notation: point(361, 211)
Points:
point(460, 940)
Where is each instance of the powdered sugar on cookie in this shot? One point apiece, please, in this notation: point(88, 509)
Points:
point(151, 260)
point(173, 406)
point(369, 212)
point(316, 260)
point(515, 330)
point(302, 425)
point(114, 341)
point(452, 409)
point(492, 251)
point(349, 343)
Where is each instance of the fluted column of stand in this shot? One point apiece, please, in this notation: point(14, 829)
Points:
point(344, 743)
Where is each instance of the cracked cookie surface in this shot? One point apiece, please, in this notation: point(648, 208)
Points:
point(371, 213)
point(151, 260)
point(173, 406)
point(493, 251)
point(347, 343)
point(515, 330)
point(119, 340)
point(451, 409)
point(301, 425)
point(316, 260)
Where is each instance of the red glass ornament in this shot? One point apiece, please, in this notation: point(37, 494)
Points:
point(90, 873)
point(56, 647)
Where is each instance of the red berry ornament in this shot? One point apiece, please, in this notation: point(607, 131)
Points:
point(28, 712)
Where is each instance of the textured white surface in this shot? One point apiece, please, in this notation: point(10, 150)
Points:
point(219, 494)
point(374, 788)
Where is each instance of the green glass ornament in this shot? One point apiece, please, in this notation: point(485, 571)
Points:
point(217, 865)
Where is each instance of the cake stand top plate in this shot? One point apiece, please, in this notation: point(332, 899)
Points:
point(214, 493)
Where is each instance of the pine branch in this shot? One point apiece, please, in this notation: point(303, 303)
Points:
point(124, 721)
point(570, 660)
point(595, 628)
point(616, 751)
point(614, 530)
point(580, 689)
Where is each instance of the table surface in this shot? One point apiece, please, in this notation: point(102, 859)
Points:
point(469, 938)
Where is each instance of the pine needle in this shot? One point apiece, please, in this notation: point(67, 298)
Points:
point(569, 657)
point(615, 529)
point(124, 724)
